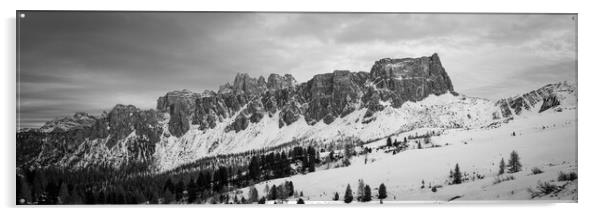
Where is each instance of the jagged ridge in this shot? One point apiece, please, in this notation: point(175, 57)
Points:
point(251, 113)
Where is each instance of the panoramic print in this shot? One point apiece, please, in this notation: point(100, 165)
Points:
point(295, 108)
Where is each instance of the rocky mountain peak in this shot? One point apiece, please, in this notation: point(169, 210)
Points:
point(79, 119)
point(277, 82)
point(411, 79)
point(184, 96)
point(244, 84)
point(324, 97)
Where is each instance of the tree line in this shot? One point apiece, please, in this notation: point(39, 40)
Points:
point(105, 185)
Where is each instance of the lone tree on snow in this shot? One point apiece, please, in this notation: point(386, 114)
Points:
point(348, 194)
point(382, 191)
point(336, 196)
point(514, 163)
point(457, 175)
point(502, 167)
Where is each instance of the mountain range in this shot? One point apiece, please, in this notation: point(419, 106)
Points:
point(396, 96)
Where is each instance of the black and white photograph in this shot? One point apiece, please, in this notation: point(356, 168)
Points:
point(274, 107)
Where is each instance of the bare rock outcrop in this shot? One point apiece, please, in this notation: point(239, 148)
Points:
point(178, 121)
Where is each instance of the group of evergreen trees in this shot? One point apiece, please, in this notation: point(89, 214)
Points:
point(282, 191)
point(391, 143)
point(364, 193)
point(513, 165)
point(106, 185)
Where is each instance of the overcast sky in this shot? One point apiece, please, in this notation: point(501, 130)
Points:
point(91, 61)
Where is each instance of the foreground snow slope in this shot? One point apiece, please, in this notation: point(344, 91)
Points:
point(545, 140)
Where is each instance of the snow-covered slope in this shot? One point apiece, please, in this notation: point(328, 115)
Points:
point(545, 140)
point(444, 111)
point(447, 111)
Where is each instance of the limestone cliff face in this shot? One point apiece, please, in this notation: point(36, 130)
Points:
point(411, 79)
point(406, 79)
point(178, 119)
point(325, 97)
point(333, 95)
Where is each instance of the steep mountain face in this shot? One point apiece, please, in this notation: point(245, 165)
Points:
point(123, 134)
point(542, 99)
point(411, 79)
point(325, 97)
point(251, 113)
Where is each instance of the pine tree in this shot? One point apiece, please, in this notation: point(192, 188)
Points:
point(63, 196)
point(382, 191)
point(389, 143)
point(281, 192)
point(360, 189)
point(75, 199)
point(336, 196)
point(311, 158)
point(300, 201)
point(168, 197)
point(514, 163)
point(290, 188)
point(253, 195)
point(18, 189)
point(273, 195)
point(169, 185)
point(348, 150)
point(502, 167)
point(200, 182)
point(52, 191)
point(139, 197)
point(90, 198)
point(254, 169)
point(192, 191)
point(179, 190)
point(38, 182)
point(24, 192)
point(348, 194)
point(367, 194)
point(457, 175)
point(101, 198)
point(154, 199)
